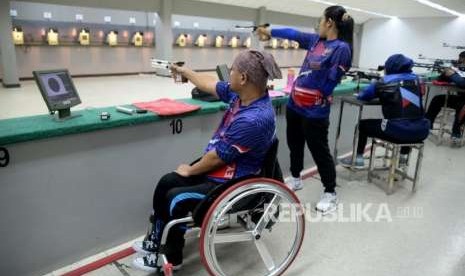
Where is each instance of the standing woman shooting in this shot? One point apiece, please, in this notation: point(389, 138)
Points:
point(329, 56)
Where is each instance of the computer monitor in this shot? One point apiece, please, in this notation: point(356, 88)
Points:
point(223, 72)
point(58, 91)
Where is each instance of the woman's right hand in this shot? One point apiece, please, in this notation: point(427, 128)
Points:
point(449, 72)
point(177, 71)
point(264, 34)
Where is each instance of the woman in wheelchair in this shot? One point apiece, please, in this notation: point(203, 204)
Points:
point(237, 149)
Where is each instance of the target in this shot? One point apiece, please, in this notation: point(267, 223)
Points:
point(54, 85)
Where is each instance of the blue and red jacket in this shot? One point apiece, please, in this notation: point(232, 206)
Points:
point(400, 94)
point(243, 137)
point(325, 64)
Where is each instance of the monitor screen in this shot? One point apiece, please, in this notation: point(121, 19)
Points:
point(57, 89)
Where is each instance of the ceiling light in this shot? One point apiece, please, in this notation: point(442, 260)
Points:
point(353, 9)
point(439, 7)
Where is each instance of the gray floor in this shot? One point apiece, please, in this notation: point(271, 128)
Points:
point(425, 237)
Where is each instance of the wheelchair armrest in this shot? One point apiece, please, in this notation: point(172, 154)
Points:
point(202, 208)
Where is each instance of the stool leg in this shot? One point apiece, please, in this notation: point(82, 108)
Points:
point(372, 160)
point(405, 168)
point(392, 170)
point(386, 155)
point(418, 168)
point(462, 140)
point(443, 119)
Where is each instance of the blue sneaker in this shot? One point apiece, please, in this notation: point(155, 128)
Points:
point(347, 162)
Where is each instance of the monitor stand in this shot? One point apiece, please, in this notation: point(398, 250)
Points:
point(65, 114)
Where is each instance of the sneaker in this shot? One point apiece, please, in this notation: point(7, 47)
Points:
point(347, 162)
point(151, 241)
point(456, 140)
point(327, 204)
point(295, 183)
point(148, 263)
point(145, 246)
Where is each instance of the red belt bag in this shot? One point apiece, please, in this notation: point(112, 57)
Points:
point(307, 97)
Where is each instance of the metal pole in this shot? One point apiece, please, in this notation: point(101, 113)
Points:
point(356, 133)
point(338, 132)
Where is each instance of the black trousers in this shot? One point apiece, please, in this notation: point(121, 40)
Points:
point(301, 130)
point(372, 128)
point(456, 102)
point(174, 197)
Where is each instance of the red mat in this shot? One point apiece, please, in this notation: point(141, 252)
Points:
point(167, 107)
point(442, 83)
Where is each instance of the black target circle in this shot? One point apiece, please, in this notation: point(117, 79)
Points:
point(54, 85)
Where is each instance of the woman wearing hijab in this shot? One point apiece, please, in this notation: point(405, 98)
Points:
point(401, 99)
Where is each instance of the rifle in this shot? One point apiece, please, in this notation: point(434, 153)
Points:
point(438, 64)
point(453, 46)
point(358, 75)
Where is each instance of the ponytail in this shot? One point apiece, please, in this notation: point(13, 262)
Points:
point(344, 24)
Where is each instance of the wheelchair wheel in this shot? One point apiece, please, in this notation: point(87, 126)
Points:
point(250, 246)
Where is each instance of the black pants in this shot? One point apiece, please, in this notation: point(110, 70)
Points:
point(174, 197)
point(315, 133)
point(372, 128)
point(456, 102)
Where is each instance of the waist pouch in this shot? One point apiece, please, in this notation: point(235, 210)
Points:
point(303, 97)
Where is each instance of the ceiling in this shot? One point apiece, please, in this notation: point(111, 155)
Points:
point(399, 8)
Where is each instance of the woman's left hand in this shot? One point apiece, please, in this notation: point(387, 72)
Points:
point(449, 72)
point(184, 170)
point(264, 34)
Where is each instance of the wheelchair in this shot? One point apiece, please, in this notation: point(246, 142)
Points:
point(253, 207)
